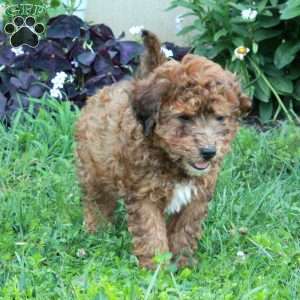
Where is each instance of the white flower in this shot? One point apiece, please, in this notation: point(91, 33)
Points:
point(61, 75)
point(17, 51)
point(249, 14)
point(74, 63)
point(71, 79)
point(167, 52)
point(241, 52)
point(59, 80)
point(55, 93)
point(241, 255)
point(136, 30)
point(178, 21)
point(58, 83)
point(81, 253)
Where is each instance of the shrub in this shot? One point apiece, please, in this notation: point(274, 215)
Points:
point(71, 62)
point(90, 56)
point(268, 32)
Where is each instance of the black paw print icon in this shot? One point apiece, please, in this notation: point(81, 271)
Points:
point(24, 31)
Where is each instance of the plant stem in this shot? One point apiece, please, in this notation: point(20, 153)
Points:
point(295, 116)
point(260, 73)
point(277, 113)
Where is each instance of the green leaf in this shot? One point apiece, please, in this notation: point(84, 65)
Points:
point(267, 22)
point(238, 41)
point(290, 13)
point(199, 25)
point(221, 14)
point(264, 34)
point(292, 3)
point(254, 47)
point(209, 51)
point(172, 6)
point(262, 91)
point(274, 2)
point(238, 6)
point(291, 10)
point(54, 3)
point(270, 70)
point(267, 13)
point(282, 85)
point(293, 72)
point(186, 30)
point(188, 14)
point(265, 111)
point(238, 20)
point(240, 30)
point(261, 5)
point(297, 90)
point(285, 54)
point(183, 3)
point(219, 34)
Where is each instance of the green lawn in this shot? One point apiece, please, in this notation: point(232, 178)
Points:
point(250, 248)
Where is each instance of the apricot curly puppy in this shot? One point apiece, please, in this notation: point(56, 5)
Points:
point(158, 141)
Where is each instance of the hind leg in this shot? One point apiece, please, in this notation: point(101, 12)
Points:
point(98, 201)
point(91, 214)
point(98, 209)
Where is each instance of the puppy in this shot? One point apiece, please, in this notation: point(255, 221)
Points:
point(158, 141)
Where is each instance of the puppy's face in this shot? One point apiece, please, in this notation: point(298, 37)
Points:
point(196, 136)
point(191, 112)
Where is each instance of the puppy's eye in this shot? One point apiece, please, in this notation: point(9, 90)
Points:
point(185, 118)
point(220, 118)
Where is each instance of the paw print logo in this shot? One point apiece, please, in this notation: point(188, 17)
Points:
point(24, 32)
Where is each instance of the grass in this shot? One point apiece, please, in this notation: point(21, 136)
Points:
point(250, 248)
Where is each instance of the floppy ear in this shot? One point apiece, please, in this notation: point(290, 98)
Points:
point(245, 104)
point(146, 101)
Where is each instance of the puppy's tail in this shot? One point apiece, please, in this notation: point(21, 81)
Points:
point(152, 56)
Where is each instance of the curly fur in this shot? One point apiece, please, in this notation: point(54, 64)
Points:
point(142, 140)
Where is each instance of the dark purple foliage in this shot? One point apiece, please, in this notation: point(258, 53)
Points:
point(2, 105)
point(92, 55)
point(63, 26)
point(3, 37)
point(6, 56)
point(86, 58)
point(128, 50)
point(179, 52)
point(23, 80)
point(100, 34)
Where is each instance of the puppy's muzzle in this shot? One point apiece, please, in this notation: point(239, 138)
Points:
point(208, 152)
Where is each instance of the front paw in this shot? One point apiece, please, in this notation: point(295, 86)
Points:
point(147, 262)
point(183, 251)
point(185, 260)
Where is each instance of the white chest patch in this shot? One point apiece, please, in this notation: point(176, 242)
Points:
point(182, 195)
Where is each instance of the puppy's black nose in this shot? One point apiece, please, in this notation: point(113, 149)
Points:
point(208, 152)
